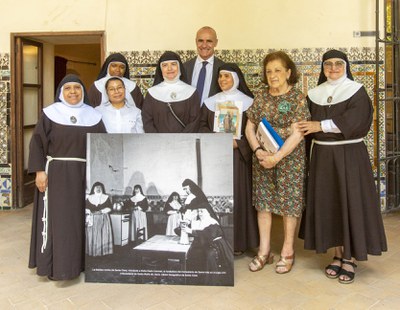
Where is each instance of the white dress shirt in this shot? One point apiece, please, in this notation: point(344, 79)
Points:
point(128, 119)
point(209, 71)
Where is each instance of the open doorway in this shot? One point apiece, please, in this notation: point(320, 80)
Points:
point(39, 61)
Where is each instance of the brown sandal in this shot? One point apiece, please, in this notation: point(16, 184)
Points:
point(286, 262)
point(259, 261)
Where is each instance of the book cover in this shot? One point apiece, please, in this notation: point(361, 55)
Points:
point(268, 138)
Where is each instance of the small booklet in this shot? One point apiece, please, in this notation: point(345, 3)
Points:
point(268, 137)
point(228, 118)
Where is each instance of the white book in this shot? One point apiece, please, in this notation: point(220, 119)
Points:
point(266, 140)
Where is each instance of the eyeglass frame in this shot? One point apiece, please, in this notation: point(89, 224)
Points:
point(338, 64)
point(115, 89)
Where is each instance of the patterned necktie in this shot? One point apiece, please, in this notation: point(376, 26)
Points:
point(202, 78)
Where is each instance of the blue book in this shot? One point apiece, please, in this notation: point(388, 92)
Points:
point(268, 138)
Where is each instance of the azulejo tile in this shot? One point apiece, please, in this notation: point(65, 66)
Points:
point(5, 185)
point(5, 201)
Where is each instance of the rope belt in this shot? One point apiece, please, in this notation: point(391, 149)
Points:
point(340, 142)
point(45, 198)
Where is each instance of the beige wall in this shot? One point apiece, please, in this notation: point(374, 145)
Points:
point(171, 24)
point(251, 24)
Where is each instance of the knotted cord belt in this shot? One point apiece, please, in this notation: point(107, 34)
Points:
point(45, 198)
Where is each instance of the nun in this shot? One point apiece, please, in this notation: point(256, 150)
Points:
point(99, 236)
point(115, 65)
point(234, 91)
point(119, 114)
point(57, 155)
point(343, 210)
point(171, 105)
point(210, 252)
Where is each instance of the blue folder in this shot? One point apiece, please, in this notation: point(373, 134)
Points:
point(273, 133)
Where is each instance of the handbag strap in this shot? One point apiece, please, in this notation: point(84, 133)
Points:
point(176, 117)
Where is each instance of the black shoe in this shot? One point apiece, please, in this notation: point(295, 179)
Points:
point(335, 268)
point(349, 274)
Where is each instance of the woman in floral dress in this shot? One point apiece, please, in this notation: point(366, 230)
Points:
point(278, 179)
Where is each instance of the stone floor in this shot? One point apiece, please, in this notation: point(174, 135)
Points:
point(377, 284)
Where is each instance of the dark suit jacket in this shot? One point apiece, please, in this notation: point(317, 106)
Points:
point(189, 67)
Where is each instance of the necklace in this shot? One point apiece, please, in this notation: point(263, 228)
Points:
point(330, 98)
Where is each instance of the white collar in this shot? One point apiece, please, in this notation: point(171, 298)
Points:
point(175, 205)
point(62, 114)
point(335, 93)
point(96, 199)
point(200, 60)
point(129, 87)
point(208, 221)
point(235, 95)
point(189, 198)
point(172, 92)
point(138, 197)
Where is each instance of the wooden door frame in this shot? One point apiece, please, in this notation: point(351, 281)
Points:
point(16, 93)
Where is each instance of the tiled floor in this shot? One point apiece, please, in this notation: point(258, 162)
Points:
point(377, 284)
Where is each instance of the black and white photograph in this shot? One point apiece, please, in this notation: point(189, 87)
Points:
point(159, 209)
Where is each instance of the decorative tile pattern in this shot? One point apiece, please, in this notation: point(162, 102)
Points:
point(308, 61)
point(142, 69)
point(5, 170)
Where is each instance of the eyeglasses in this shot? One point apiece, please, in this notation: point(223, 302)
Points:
point(338, 64)
point(115, 90)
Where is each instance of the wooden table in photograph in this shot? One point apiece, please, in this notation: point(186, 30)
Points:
point(162, 247)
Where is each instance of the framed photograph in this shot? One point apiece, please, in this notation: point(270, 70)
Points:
point(228, 118)
point(159, 209)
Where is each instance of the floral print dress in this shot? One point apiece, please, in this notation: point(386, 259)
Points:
point(280, 190)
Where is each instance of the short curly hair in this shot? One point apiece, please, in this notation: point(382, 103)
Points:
point(287, 63)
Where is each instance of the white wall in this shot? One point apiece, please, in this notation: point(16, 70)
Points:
point(171, 24)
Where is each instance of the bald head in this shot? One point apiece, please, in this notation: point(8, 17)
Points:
point(206, 41)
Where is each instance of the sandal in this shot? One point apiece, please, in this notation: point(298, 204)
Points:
point(238, 253)
point(286, 262)
point(335, 268)
point(349, 274)
point(259, 261)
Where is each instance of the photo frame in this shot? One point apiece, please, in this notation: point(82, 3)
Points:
point(228, 118)
point(144, 249)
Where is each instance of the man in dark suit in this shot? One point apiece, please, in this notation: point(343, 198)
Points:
point(206, 41)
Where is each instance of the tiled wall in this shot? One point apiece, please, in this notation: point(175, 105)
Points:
point(308, 61)
point(142, 68)
point(5, 165)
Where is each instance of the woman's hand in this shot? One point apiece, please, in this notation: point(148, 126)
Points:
point(41, 181)
point(267, 160)
point(307, 127)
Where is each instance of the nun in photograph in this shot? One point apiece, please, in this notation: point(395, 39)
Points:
point(172, 207)
point(138, 204)
point(171, 105)
point(233, 88)
point(57, 154)
point(119, 114)
point(99, 238)
point(209, 250)
point(115, 65)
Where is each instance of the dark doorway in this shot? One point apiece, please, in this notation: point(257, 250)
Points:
point(35, 70)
